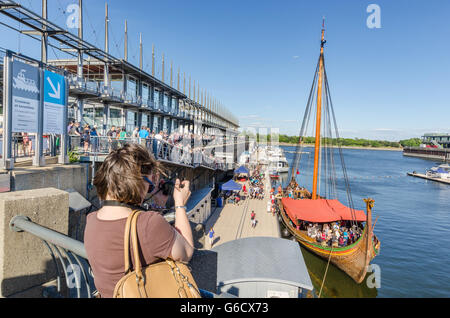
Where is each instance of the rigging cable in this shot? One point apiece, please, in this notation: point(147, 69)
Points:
point(327, 150)
point(308, 120)
point(332, 171)
point(116, 44)
point(299, 147)
point(344, 169)
point(326, 271)
point(92, 27)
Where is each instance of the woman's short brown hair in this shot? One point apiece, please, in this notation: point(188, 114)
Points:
point(121, 174)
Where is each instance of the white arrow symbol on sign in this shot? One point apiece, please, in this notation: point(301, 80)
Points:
point(56, 92)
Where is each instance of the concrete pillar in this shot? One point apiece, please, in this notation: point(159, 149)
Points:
point(80, 110)
point(25, 263)
point(150, 124)
point(123, 117)
point(106, 116)
point(139, 119)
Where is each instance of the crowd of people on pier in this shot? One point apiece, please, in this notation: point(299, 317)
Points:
point(336, 234)
point(252, 189)
point(256, 185)
point(183, 148)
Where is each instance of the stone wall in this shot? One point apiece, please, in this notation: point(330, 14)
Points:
point(63, 177)
point(24, 260)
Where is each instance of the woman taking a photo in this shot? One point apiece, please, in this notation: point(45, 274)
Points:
point(123, 181)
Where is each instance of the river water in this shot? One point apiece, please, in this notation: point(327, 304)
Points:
point(413, 225)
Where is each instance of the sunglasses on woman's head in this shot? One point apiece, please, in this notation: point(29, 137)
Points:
point(151, 186)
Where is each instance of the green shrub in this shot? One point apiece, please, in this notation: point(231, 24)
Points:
point(73, 157)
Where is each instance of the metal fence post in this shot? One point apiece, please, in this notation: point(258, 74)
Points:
point(63, 158)
point(39, 160)
point(7, 163)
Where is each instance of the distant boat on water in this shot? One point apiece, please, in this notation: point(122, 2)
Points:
point(439, 172)
point(277, 160)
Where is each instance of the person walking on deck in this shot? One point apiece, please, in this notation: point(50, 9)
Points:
point(211, 237)
point(253, 219)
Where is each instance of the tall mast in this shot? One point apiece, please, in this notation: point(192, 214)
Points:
point(126, 42)
point(44, 40)
point(318, 117)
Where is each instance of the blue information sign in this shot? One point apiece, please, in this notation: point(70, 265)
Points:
point(54, 103)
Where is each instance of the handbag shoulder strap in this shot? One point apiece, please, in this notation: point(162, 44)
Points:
point(126, 242)
point(137, 263)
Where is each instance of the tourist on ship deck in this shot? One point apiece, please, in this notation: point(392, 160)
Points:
point(127, 175)
point(309, 230)
point(351, 237)
point(345, 235)
point(319, 236)
point(280, 190)
point(341, 242)
point(291, 195)
point(335, 238)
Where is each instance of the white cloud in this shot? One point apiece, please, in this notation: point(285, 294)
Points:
point(385, 129)
point(250, 117)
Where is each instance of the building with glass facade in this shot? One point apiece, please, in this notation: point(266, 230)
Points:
point(437, 139)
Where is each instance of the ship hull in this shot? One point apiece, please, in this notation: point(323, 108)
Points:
point(353, 259)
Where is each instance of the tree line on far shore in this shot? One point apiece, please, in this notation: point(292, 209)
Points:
point(349, 142)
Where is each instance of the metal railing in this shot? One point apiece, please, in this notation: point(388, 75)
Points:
point(73, 267)
point(131, 98)
point(26, 149)
point(83, 84)
point(178, 153)
point(112, 93)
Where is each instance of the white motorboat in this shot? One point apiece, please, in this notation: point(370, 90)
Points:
point(277, 160)
point(439, 172)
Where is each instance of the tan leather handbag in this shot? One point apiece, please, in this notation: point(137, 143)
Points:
point(166, 279)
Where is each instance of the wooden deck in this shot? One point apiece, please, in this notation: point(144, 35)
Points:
point(233, 221)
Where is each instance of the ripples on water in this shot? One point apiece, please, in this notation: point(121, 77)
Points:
point(413, 225)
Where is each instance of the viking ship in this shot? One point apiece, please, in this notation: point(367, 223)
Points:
point(300, 209)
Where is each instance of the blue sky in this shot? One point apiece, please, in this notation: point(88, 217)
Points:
point(258, 56)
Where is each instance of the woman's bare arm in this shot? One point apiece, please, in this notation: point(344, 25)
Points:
point(183, 248)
